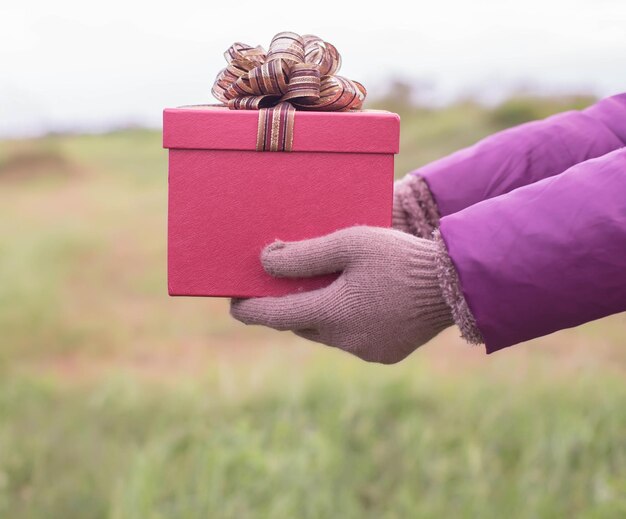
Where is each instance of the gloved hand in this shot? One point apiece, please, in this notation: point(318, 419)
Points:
point(414, 208)
point(386, 302)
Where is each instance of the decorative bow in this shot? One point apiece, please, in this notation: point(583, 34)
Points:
point(297, 69)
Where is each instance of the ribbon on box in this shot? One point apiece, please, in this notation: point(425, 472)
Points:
point(297, 73)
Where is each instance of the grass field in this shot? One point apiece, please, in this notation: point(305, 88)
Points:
point(117, 401)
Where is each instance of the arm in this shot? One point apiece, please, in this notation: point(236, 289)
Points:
point(544, 257)
point(507, 160)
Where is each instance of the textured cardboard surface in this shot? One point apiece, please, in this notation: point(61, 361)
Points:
point(226, 205)
point(340, 132)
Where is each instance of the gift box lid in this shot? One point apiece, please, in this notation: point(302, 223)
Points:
point(218, 128)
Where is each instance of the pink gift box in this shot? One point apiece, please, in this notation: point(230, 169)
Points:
point(228, 201)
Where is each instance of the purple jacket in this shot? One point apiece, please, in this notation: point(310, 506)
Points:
point(534, 219)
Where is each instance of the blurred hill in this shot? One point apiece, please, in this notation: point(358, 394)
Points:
point(430, 132)
point(117, 401)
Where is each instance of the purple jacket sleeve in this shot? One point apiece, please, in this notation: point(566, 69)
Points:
point(546, 256)
point(525, 154)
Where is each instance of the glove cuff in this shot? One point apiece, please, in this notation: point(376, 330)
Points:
point(414, 209)
point(452, 293)
point(428, 311)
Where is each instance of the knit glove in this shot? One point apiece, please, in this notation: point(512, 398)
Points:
point(414, 208)
point(386, 302)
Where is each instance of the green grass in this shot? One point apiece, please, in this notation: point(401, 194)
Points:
point(328, 446)
point(119, 402)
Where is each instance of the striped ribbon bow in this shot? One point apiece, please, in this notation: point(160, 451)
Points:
point(298, 72)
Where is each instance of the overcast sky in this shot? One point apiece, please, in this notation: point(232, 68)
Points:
point(75, 64)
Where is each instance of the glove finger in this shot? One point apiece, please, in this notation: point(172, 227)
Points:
point(290, 312)
point(310, 334)
point(323, 255)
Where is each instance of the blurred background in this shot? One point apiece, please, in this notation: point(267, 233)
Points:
point(118, 401)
